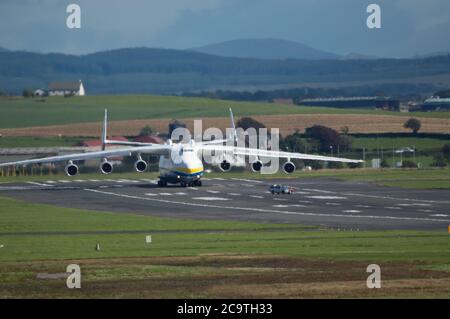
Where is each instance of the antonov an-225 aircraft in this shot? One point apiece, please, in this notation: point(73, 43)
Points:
point(187, 170)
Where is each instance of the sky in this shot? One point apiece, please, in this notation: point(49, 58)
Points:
point(408, 27)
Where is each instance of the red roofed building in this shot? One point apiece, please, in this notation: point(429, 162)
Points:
point(98, 143)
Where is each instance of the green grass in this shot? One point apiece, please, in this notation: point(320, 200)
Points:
point(52, 233)
point(389, 143)
point(19, 112)
point(29, 141)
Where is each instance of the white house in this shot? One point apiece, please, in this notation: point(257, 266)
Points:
point(66, 88)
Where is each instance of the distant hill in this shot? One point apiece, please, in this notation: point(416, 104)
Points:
point(2, 49)
point(164, 71)
point(358, 56)
point(265, 49)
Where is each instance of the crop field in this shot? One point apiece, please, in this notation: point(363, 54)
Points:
point(208, 259)
point(19, 112)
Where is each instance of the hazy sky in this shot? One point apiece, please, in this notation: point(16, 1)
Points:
point(409, 27)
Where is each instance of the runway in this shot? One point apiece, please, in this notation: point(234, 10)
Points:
point(320, 202)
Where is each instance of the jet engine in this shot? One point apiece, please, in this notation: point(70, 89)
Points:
point(71, 169)
point(256, 166)
point(106, 167)
point(288, 167)
point(225, 166)
point(140, 166)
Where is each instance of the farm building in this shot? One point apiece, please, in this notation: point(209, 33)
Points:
point(66, 88)
point(436, 104)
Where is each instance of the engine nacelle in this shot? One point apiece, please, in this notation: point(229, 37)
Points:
point(225, 166)
point(71, 169)
point(288, 167)
point(140, 166)
point(106, 167)
point(256, 166)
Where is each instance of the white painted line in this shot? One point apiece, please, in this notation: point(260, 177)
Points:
point(194, 188)
point(165, 194)
point(64, 181)
point(326, 197)
point(351, 211)
point(414, 205)
point(78, 180)
point(319, 190)
point(439, 215)
point(213, 192)
point(264, 210)
point(51, 182)
point(363, 206)
point(180, 193)
point(304, 201)
point(280, 199)
point(393, 208)
point(219, 179)
point(234, 194)
point(151, 194)
point(280, 206)
point(210, 198)
point(426, 210)
point(94, 180)
point(39, 184)
point(397, 198)
point(333, 204)
point(103, 186)
point(256, 196)
point(247, 180)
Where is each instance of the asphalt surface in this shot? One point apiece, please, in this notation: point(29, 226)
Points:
point(323, 202)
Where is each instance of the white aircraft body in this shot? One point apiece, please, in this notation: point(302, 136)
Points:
point(188, 169)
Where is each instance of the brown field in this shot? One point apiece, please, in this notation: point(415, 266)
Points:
point(286, 123)
point(220, 276)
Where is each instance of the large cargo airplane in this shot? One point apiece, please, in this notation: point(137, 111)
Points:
point(187, 169)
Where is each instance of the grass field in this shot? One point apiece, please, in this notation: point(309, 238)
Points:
point(19, 112)
point(209, 258)
point(389, 143)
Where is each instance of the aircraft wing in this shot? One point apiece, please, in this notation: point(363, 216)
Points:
point(280, 154)
point(150, 149)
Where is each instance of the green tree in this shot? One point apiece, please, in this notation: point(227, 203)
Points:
point(146, 131)
point(413, 124)
point(446, 152)
point(27, 93)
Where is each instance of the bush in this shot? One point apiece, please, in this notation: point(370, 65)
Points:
point(384, 163)
point(146, 131)
point(439, 161)
point(409, 164)
point(446, 152)
point(335, 165)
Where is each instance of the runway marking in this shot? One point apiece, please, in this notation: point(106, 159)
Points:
point(64, 181)
point(94, 180)
point(333, 204)
point(246, 180)
point(180, 193)
point(302, 193)
point(393, 208)
point(351, 211)
point(213, 192)
point(304, 201)
point(234, 194)
point(279, 206)
point(414, 204)
point(319, 190)
point(51, 182)
point(151, 194)
point(378, 196)
point(211, 198)
point(280, 199)
point(194, 188)
point(78, 180)
point(363, 206)
point(326, 197)
point(165, 194)
point(256, 196)
point(39, 184)
point(219, 179)
point(265, 210)
point(425, 210)
point(439, 215)
point(397, 198)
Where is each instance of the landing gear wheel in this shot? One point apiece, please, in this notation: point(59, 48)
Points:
point(199, 183)
point(183, 184)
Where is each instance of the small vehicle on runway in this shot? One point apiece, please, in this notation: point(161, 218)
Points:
point(281, 189)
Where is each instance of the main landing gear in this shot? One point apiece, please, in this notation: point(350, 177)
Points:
point(163, 183)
